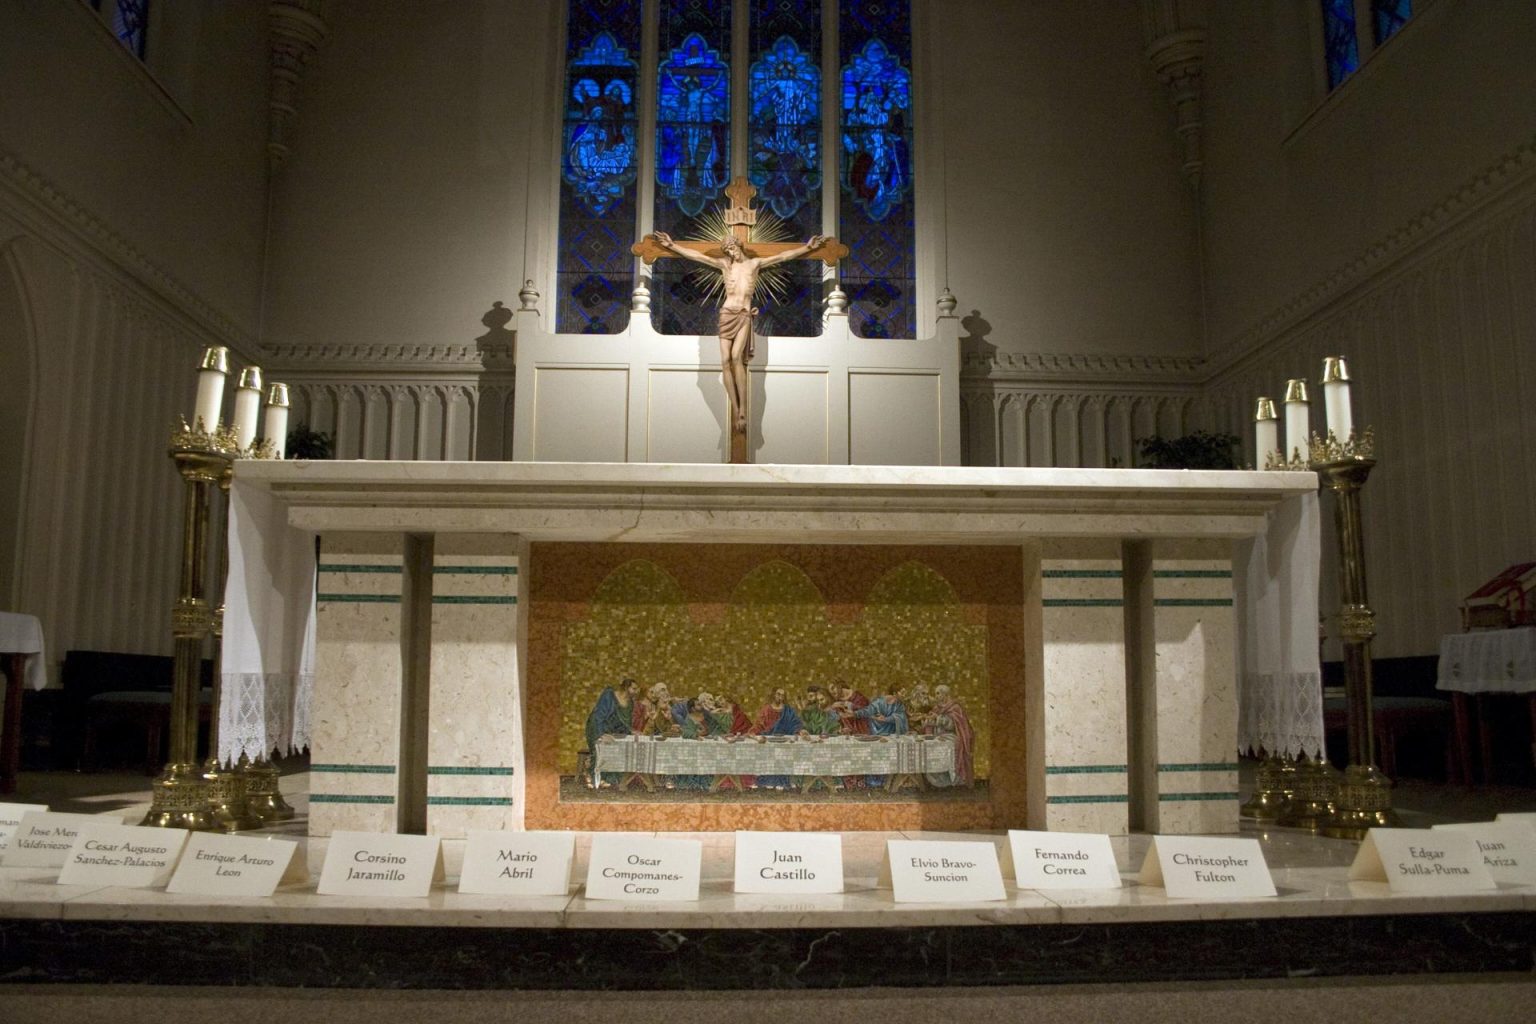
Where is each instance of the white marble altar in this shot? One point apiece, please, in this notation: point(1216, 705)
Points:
point(1129, 674)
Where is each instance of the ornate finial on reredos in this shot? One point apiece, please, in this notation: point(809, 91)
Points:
point(529, 296)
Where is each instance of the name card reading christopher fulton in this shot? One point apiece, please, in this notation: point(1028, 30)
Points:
point(808, 862)
point(1508, 848)
point(43, 839)
point(376, 864)
point(929, 871)
point(215, 865)
point(129, 856)
point(1063, 860)
point(518, 863)
point(625, 867)
point(1421, 860)
point(1205, 867)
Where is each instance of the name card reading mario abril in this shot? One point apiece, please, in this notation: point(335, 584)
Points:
point(1202, 867)
point(518, 863)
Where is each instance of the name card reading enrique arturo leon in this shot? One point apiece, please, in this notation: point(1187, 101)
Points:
point(1204, 867)
point(625, 867)
point(806, 862)
point(518, 863)
point(215, 865)
point(933, 871)
point(380, 864)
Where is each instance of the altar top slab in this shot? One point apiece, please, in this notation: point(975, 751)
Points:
point(692, 502)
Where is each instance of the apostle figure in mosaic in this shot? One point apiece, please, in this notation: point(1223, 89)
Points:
point(886, 714)
point(612, 715)
point(818, 717)
point(849, 702)
point(948, 718)
point(776, 718)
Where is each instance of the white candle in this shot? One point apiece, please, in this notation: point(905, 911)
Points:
point(247, 406)
point(1341, 420)
point(1298, 417)
point(1266, 433)
point(275, 428)
point(210, 389)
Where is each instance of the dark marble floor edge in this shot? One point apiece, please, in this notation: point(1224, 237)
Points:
point(401, 957)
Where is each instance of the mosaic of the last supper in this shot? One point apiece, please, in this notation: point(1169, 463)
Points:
point(751, 674)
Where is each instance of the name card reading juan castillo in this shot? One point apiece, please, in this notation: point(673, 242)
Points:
point(215, 865)
point(931, 871)
point(127, 856)
point(379, 864)
point(518, 863)
point(43, 839)
point(626, 867)
point(1207, 868)
point(807, 862)
point(1508, 848)
point(1421, 860)
point(1063, 860)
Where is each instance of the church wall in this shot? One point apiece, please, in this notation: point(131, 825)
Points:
point(1393, 223)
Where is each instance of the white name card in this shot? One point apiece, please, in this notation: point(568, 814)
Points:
point(43, 839)
point(1421, 860)
point(218, 865)
point(10, 817)
point(625, 867)
point(127, 856)
point(1508, 848)
point(789, 862)
point(930, 871)
point(1063, 860)
point(1519, 817)
point(1202, 867)
point(518, 863)
point(380, 864)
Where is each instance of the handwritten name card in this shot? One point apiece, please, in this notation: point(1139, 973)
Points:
point(930, 871)
point(625, 867)
point(380, 864)
point(43, 839)
point(1202, 867)
point(804, 862)
point(518, 863)
point(127, 856)
point(217, 865)
point(1421, 860)
point(1063, 860)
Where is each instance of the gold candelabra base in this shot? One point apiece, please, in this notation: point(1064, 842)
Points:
point(180, 800)
point(1313, 800)
point(1273, 789)
point(227, 802)
point(264, 799)
point(1364, 802)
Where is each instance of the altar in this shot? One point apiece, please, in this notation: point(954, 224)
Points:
point(467, 613)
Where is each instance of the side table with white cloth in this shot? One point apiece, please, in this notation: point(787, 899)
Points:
point(1476, 665)
point(23, 664)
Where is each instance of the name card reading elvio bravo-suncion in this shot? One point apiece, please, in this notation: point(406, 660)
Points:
point(933, 871)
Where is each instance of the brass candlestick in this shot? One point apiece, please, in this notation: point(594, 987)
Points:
point(226, 786)
point(1274, 787)
point(1365, 794)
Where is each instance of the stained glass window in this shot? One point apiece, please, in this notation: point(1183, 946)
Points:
point(130, 23)
point(599, 166)
point(1341, 50)
point(693, 149)
point(784, 157)
point(876, 213)
point(1388, 16)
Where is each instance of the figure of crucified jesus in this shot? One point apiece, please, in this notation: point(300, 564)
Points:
point(739, 272)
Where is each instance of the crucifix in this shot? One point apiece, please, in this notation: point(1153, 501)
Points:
point(739, 260)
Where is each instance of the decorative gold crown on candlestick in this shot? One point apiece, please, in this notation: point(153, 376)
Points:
point(1359, 445)
point(1296, 463)
point(186, 437)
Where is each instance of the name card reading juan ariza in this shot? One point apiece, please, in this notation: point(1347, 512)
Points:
point(929, 871)
point(1063, 860)
point(10, 817)
point(44, 838)
point(1421, 860)
point(789, 862)
point(625, 867)
point(1508, 848)
point(128, 856)
point(1203, 868)
point(215, 865)
point(376, 864)
point(518, 863)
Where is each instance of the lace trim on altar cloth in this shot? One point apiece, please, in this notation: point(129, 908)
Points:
point(259, 714)
point(1280, 714)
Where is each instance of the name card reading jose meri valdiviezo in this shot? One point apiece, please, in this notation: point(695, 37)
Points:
point(44, 838)
point(930, 871)
point(625, 867)
point(806, 862)
point(215, 865)
point(1063, 860)
point(1202, 867)
point(1421, 860)
point(518, 863)
point(128, 856)
point(376, 864)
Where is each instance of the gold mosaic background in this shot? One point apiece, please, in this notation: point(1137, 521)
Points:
point(776, 632)
point(747, 618)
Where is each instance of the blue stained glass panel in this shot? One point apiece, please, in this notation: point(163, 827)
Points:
point(877, 148)
point(1340, 48)
point(1388, 16)
point(130, 23)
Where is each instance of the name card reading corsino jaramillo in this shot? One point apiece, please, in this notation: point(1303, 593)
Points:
point(1421, 860)
point(927, 871)
point(1203, 867)
point(127, 856)
point(518, 863)
point(10, 817)
point(43, 839)
point(624, 867)
point(1063, 860)
point(215, 865)
point(1508, 848)
point(379, 864)
point(789, 862)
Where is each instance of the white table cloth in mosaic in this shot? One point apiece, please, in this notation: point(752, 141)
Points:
point(834, 756)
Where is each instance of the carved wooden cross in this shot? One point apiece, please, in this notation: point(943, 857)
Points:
point(740, 217)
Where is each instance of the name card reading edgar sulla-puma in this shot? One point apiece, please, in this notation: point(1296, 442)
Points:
point(381, 864)
point(1421, 860)
point(1207, 868)
point(518, 863)
point(942, 871)
point(218, 865)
